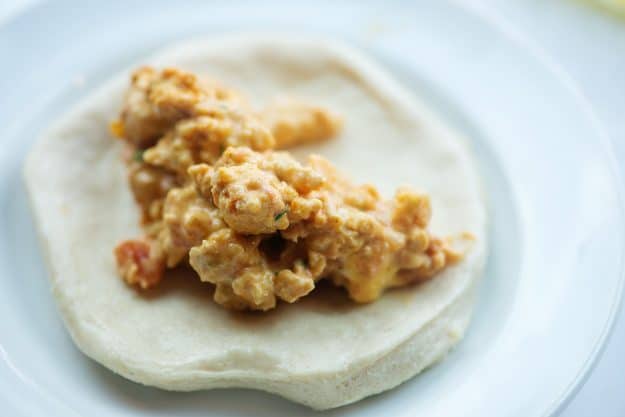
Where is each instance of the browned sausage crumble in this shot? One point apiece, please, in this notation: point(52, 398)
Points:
point(214, 194)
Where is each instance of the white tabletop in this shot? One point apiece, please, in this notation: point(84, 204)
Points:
point(590, 45)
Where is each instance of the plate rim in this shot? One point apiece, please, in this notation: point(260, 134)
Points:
point(606, 143)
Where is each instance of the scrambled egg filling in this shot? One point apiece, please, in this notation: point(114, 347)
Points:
point(262, 227)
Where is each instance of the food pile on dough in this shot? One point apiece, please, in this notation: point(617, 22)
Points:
point(216, 195)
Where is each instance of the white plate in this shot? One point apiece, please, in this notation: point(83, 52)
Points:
point(554, 278)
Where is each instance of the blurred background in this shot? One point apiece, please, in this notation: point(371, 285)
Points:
point(587, 39)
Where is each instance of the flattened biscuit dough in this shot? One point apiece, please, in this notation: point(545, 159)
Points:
point(323, 351)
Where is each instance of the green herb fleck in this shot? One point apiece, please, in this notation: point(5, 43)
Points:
point(279, 215)
point(138, 155)
point(222, 148)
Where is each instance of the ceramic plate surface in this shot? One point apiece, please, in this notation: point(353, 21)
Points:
point(554, 276)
